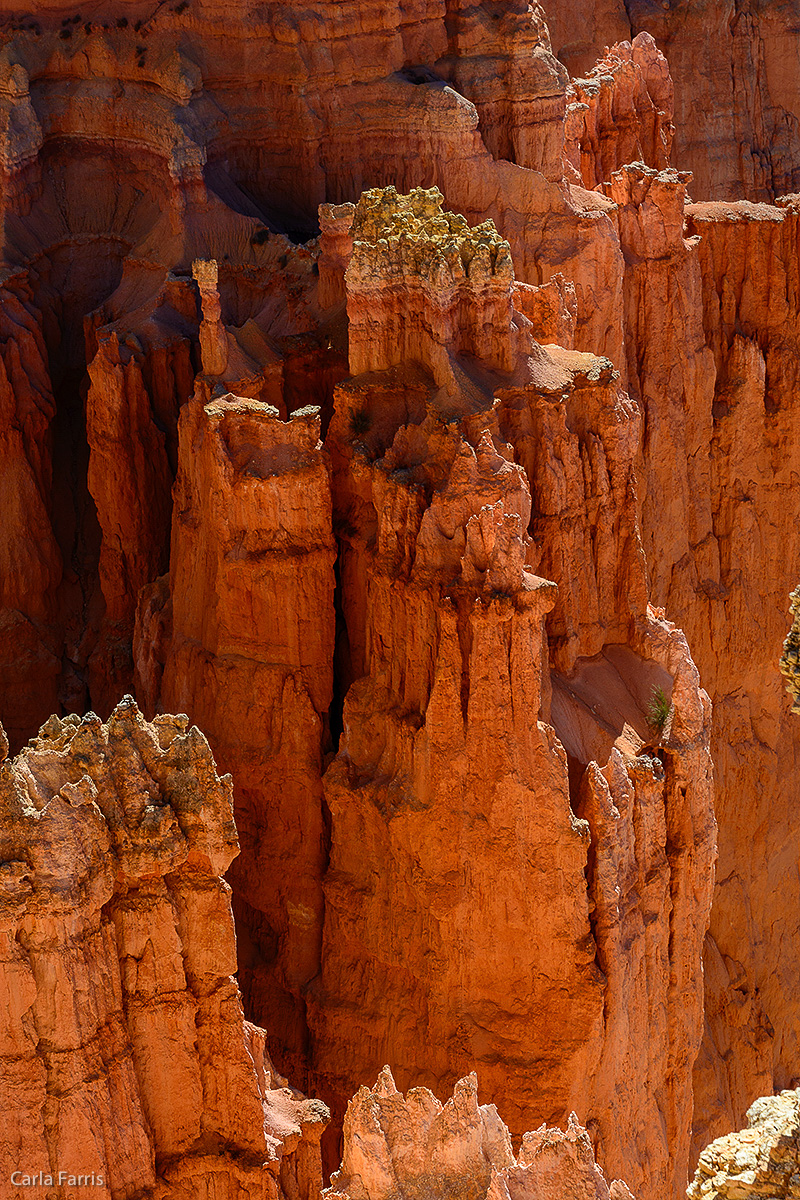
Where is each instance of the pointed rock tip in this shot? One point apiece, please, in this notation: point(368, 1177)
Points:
point(385, 1085)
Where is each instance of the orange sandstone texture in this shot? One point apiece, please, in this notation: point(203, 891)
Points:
point(469, 869)
point(458, 914)
point(241, 636)
point(737, 103)
point(125, 1053)
point(465, 462)
point(620, 113)
point(413, 1145)
point(730, 593)
point(132, 146)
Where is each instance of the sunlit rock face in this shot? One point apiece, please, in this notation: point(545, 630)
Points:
point(413, 1145)
point(125, 1052)
point(757, 1161)
point(373, 392)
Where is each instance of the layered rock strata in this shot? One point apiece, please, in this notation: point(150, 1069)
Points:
point(468, 464)
point(132, 146)
point(413, 1145)
point(131, 153)
point(717, 392)
point(125, 1053)
point(621, 112)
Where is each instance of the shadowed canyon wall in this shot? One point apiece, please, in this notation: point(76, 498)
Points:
point(410, 502)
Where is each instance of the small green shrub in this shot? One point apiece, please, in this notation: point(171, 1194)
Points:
point(658, 710)
point(360, 422)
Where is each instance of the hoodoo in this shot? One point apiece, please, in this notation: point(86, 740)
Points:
point(399, 479)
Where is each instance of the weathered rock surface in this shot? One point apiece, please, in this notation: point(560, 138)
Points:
point(452, 802)
point(125, 1054)
point(762, 1160)
point(615, 424)
point(247, 614)
point(737, 100)
point(467, 466)
point(413, 1145)
point(718, 399)
point(790, 659)
point(620, 113)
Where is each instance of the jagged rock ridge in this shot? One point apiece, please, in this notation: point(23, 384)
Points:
point(413, 1145)
point(125, 1053)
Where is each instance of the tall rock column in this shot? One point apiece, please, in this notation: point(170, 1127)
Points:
point(31, 566)
point(138, 382)
point(734, 599)
point(241, 638)
point(127, 1065)
point(521, 868)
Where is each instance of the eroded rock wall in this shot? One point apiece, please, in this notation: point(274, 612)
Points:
point(737, 100)
point(450, 501)
point(750, 320)
point(465, 466)
point(125, 1053)
point(247, 614)
point(157, 173)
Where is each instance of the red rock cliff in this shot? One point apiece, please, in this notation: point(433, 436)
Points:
point(450, 788)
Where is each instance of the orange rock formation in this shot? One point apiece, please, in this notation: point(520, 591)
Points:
point(386, 512)
point(737, 104)
point(457, 449)
point(413, 1145)
point(757, 1161)
point(248, 614)
point(125, 1053)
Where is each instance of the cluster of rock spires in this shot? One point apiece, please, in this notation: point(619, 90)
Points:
point(393, 413)
point(127, 1063)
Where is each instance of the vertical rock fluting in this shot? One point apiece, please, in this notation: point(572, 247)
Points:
point(137, 384)
point(125, 1053)
point(465, 898)
point(31, 566)
point(241, 637)
point(101, 235)
point(737, 104)
point(717, 487)
point(426, 444)
point(714, 386)
point(737, 580)
point(413, 1146)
